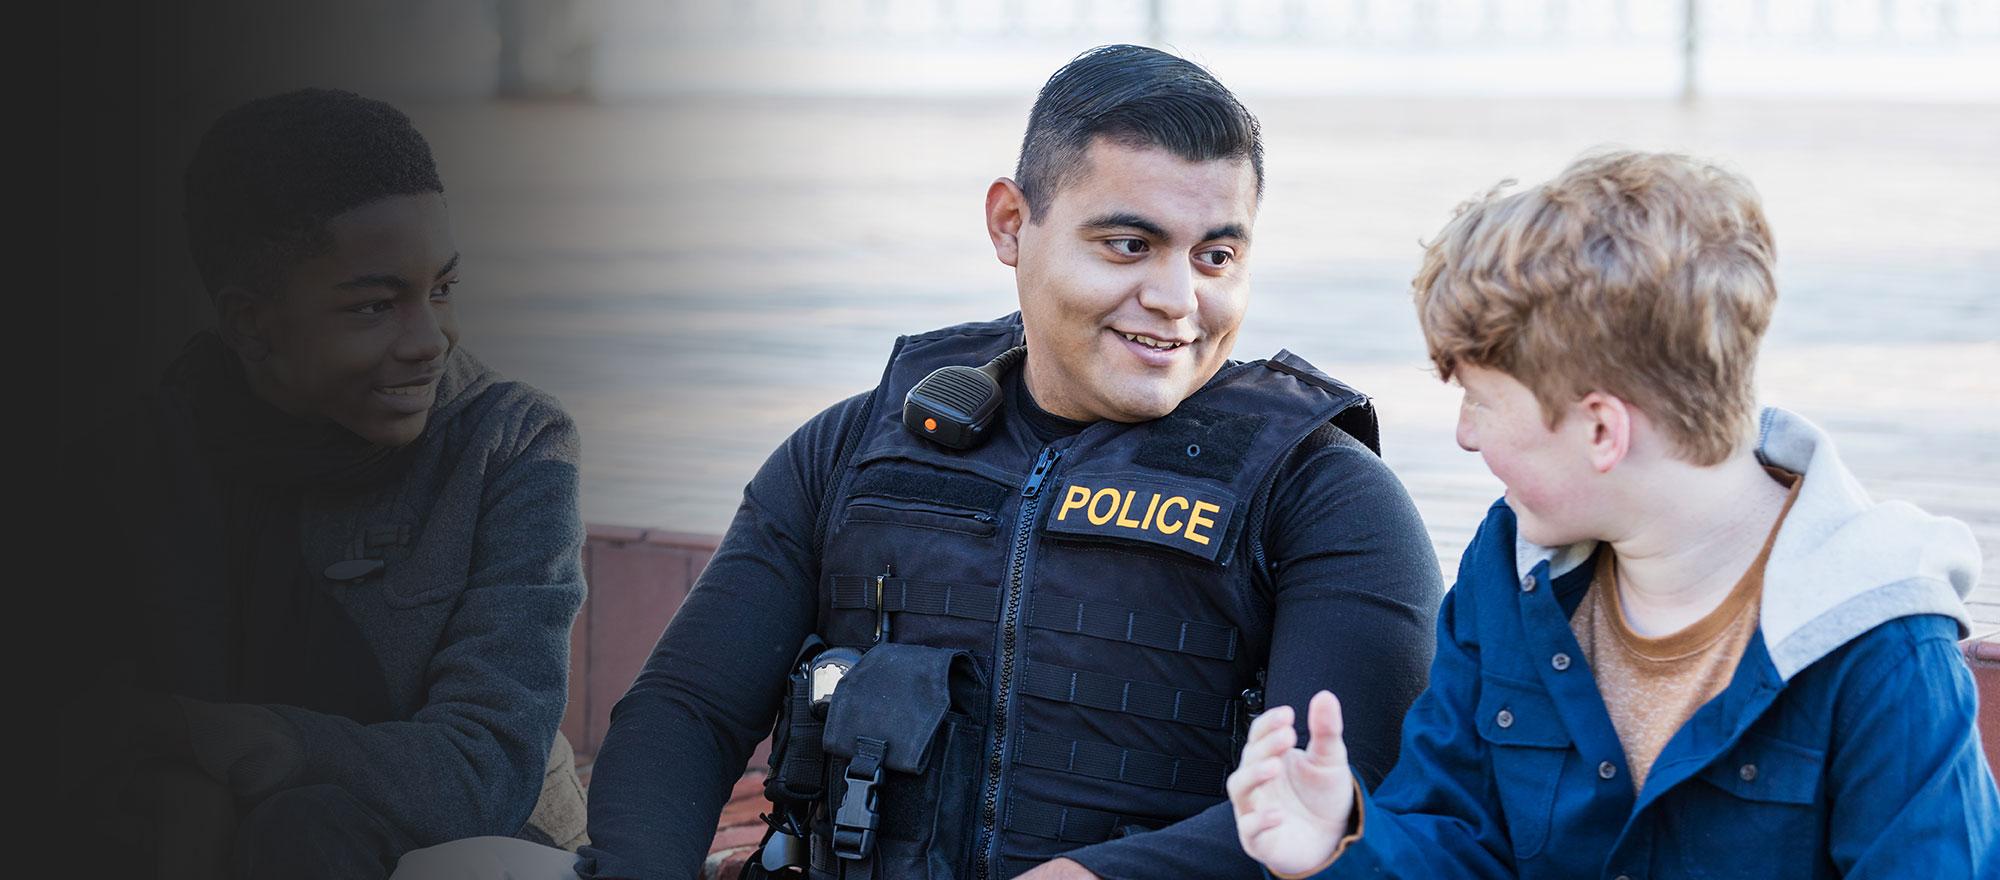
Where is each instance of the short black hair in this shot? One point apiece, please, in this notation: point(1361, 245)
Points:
point(270, 174)
point(1134, 96)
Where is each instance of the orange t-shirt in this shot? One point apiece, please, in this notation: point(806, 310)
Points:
point(1651, 686)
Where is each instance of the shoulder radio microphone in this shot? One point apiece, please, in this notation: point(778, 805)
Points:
point(954, 406)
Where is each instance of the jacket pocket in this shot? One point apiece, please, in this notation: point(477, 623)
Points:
point(903, 493)
point(1765, 769)
point(922, 515)
point(1527, 744)
point(1754, 811)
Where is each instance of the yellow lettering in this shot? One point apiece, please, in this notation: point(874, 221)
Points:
point(1151, 506)
point(1091, 511)
point(1176, 501)
point(1126, 522)
point(1196, 520)
point(1072, 500)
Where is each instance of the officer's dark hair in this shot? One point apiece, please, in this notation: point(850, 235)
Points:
point(270, 174)
point(1135, 97)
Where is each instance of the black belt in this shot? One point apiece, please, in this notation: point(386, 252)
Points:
point(1145, 699)
point(1106, 761)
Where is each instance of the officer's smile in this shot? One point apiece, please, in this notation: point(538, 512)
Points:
point(1152, 350)
point(1153, 342)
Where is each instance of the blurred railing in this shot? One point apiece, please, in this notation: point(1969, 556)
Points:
point(1333, 23)
point(1660, 45)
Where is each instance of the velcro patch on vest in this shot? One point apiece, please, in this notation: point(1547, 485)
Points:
point(1200, 441)
point(924, 484)
point(1193, 520)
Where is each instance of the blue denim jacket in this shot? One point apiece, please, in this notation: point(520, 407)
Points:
point(1847, 750)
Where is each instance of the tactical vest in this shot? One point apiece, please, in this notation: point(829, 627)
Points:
point(1098, 584)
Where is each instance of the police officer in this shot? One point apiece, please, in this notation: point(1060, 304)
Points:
point(1078, 611)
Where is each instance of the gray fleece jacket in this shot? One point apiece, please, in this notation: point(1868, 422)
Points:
point(466, 607)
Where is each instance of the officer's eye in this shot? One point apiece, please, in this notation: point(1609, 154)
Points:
point(373, 307)
point(443, 291)
point(1216, 258)
point(1127, 247)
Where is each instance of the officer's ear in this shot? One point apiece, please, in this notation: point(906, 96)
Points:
point(1006, 213)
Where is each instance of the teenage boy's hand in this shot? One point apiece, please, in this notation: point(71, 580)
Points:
point(1293, 805)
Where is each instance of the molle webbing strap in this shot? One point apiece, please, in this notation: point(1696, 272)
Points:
point(1143, 628)
point(1143, 698)
point(1058, 613)
point(1105, 761)
point(968, 601)
point(1067, 824)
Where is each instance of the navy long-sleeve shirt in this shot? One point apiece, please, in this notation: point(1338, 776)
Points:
point(1355, 588)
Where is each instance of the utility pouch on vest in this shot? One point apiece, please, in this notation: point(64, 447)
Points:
point(797, 765)
point(797, 775)
point(902, 743)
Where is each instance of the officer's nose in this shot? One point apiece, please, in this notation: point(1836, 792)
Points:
point(1170, 290)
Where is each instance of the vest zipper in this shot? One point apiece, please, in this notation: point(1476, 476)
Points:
point(1009, 623)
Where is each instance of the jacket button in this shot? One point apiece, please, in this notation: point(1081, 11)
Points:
point(1528, 584)
point(1607, 770)
point(1749, 773)
point(1504, 719)
point(1560, 661)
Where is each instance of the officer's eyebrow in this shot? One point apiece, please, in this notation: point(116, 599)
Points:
point(1234, 231)
point(1126, 220)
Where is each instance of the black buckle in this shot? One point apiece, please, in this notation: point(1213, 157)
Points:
point(854, 824)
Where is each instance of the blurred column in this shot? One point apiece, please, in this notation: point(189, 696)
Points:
point(1690, 48)
point(546, 47)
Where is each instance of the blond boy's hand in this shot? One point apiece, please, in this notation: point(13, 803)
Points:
point(1293, 805)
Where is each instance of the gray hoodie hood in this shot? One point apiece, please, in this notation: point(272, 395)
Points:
point(1842, 563)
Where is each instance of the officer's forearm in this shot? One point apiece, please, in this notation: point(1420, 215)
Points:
point(1200, 846)
point(1357, 597)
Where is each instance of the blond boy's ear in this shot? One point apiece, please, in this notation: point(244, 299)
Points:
point(1609, 422)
